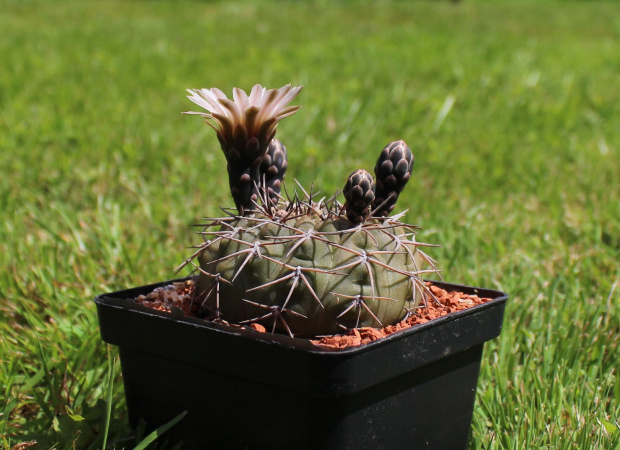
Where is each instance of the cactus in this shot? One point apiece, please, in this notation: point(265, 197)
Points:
point(302, 267)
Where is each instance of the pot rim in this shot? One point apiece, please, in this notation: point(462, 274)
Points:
point(115, 300)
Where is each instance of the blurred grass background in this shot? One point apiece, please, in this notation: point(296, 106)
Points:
point(512, 110)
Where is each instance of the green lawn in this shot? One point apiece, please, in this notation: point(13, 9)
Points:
point(512, 110)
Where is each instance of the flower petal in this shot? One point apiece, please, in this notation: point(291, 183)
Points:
point(226, 126)
point(251, 122)
point(241, 98)
point(289, 111)
point(265, 129)
point(232, 108)
point(198, 113)
point(267, 100)
point(257, 93)
point(216, 128)
point(290, 96)
point(287, 94)
point(199, 100)
point(207, 100)
point(218, 94)
point(277, 99)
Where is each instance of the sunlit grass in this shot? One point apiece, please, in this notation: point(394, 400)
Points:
point(511, 109)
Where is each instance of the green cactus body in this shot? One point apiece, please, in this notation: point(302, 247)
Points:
point(308, 276)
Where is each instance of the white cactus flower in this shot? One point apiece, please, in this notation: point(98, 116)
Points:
point(245, 125)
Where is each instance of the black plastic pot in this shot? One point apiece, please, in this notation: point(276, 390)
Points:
point(249, 390)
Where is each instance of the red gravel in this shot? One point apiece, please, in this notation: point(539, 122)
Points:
point(450, 302)
point(180, 294)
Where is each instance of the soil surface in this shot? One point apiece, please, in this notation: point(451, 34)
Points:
point(179, 295)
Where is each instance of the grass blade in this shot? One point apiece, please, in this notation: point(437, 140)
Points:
point(106, 428)
point(158, 432)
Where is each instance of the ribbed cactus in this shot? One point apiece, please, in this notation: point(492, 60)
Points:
point(303, 267)
point(310, 273)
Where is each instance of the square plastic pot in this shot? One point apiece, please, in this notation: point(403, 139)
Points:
point(248, 390)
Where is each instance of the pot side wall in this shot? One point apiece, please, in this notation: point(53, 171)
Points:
point(430, 407)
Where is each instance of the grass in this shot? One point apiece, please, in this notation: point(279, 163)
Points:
point(511, 108)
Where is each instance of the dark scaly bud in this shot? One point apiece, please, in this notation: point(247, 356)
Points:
point(359, 193)
point(241, 180)
point(392, 171)
point(272, 169)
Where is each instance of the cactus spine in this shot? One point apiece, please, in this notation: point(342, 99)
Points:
point(299, 266)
